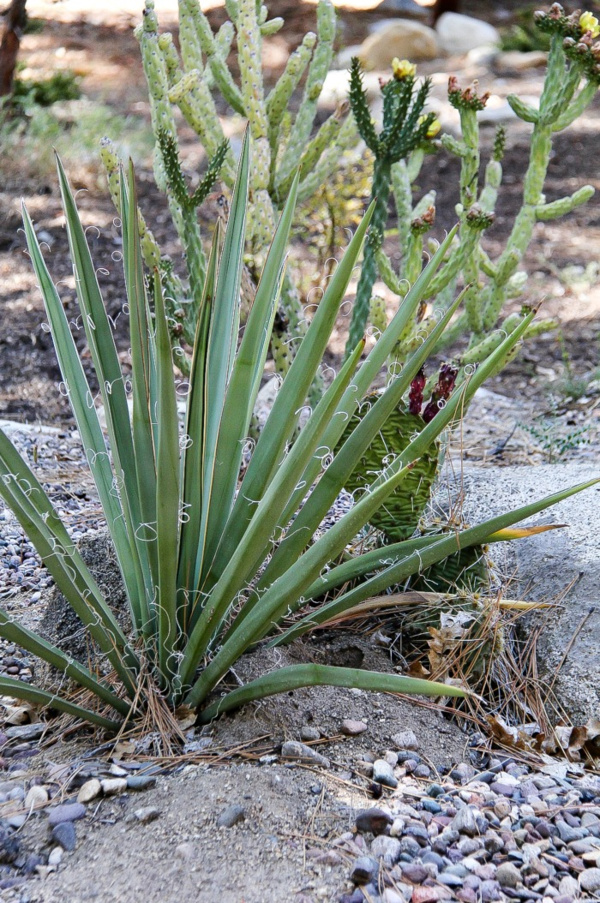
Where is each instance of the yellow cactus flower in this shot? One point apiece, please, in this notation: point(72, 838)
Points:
point(434, 127)
point(403, 69)
point(589, 22)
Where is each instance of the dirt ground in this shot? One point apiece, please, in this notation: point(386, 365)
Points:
point(180, 855)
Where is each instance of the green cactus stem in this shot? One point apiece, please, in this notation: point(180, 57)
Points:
point(405, 128)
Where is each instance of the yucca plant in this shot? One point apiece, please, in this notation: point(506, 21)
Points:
point(213, 565)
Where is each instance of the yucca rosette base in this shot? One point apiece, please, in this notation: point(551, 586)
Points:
point(212, 564)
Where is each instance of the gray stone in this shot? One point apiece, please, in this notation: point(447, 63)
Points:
point(458, 34)
point(308, 733)
point(516, 61)
point(140, 781)
point(365, 870)
point(383, 773)
point(386, 848)
point(231, 816)
point(465, 822)
point(589, 880)
point(352, 728)
point(66, 812)
point(65, 835)
point(147, 814)
point(508, 875)
point(374, 821)
point(292, 749)
point(548, 563)
point(26, 731)
point(402, 38)
point(403, 8)
point(405, 740)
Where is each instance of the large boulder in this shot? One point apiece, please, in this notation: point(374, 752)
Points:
point(401, 38)
point(458, 34)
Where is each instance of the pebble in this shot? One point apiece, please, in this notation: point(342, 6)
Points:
point(89, 791)
point(374, 821)
point(383, 773)
point(140, 781)
point(113, 786)
point(508, 875)
point(405, 740)
point(231, 816)
point(308, 733)
point(293, 749)
point(64, 835)
point(365, 870)
point(147, 814)
point(589, 880)
point(66, 812)
point(465, 822)
point(353, 728)
point(36, 797)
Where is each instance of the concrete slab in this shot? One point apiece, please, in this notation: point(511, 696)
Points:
point(546, 564)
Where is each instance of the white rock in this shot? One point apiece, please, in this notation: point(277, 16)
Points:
point(55, 856)
point(89, 791)
point(112, 786)
point(37, 796)
point(514, 60)
point(335, 90)
point(403, 39)
point(457, 34)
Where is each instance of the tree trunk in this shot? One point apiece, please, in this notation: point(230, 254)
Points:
point(16, 19)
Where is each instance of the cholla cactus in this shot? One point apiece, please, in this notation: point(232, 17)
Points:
point(574, 56)
point(281, 143)
point(405, 127)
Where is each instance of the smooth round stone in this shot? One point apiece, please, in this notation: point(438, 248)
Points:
point(434, 790)
point(113, 786)
point(386, 848)
point(66, 812)
point(465, 822)
point(230, 816)
point(365, 870)
point(383, 773)
point(36, 797)
point(140, 781)
point(431, 806)
point(405, 740)
point(374, 821)
point(504, 789)
point(449, 879)
point(434, 859)
point(352, 728)
point(508, 875)
point(308, 733)
point(65, 835)
point(589, 880)
point(490, 890)
point(55, 856)
point(89, 791)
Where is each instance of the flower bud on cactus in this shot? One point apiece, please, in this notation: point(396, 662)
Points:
point(415, 395)
point(467, 99)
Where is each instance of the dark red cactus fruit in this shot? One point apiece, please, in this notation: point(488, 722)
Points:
point(415, 395)
point(442, 391)
point(446, 381)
